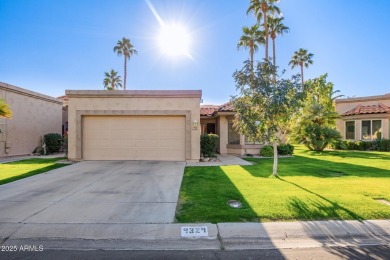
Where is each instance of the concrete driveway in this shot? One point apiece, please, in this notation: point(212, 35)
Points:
point(95, 192)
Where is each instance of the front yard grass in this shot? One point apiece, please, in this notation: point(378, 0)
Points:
point(311, 186)
point(25, 168)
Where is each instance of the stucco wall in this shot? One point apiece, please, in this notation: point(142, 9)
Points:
point(34, 115)
point(344, 105)
point(134, 101)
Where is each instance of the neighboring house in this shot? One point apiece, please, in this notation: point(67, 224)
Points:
point(64, 100)
point(33, 116)
point(219, 120)
point(364, 118)
point(134, 125)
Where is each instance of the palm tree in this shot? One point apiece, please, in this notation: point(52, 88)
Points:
point(251, 38)
point(112, 81)
point(301, 58)
point(276, 27)
point(5, 111)
point(261, 8)
point(125, 48)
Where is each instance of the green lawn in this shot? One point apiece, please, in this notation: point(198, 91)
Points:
point(311, 186)
point(21, 169)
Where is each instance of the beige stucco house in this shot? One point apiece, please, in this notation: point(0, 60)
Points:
point(364, 118)
point(34, 115)
point(134, 125)
point(219, 120)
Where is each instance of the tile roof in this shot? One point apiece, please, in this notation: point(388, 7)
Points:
point(372, 109)
point(227, 107)
point(208, 110)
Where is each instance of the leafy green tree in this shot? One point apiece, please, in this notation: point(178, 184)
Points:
point(261, 9)
point(263, 107)
point(112, 81)
point(315, 123)
point(301, 58)
point(126, 49)
point(252, 37)
point(5, 111)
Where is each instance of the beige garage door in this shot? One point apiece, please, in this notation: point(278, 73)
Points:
point(134, 138)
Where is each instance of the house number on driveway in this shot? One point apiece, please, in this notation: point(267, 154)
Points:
point(197, 231)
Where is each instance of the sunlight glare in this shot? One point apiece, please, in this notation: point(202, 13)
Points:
point(174, 40)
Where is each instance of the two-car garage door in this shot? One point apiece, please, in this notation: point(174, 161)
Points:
point(133, 138)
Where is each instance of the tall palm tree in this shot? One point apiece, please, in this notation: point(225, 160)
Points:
point(261, 9)
point(252, 37)
point(276, 27)
point(301, 58)
point(125, 48)
point(5, 111)
point(112, 81)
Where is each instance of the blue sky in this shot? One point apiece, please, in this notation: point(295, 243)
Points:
point(52, 45)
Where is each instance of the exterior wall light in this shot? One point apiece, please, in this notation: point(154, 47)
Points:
point(195, 124)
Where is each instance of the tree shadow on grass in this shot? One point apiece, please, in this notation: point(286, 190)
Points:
point(350, 154)
point(319, 210)
point(32, 173)
point(304, 166)
point(204, 194)
point(36, 161)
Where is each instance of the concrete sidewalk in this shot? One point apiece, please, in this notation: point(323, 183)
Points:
point(227, 236)
point(224, 159)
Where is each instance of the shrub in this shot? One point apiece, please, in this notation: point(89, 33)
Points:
point(267, 151)
point(53, 142)
point(208, 145)
point(285, 149)
point(382, 145)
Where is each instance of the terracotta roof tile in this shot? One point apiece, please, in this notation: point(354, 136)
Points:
point(372, 109)
point(208, 110)
point(227, 107)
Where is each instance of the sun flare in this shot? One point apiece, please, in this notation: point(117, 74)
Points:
point(174, 40)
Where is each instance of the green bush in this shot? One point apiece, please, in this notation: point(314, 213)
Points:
point(285, 149)
point(53, 142)
point(382, 145)
point(267, 151)
point(208, 145)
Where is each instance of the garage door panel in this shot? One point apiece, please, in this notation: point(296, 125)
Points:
point(134, 138)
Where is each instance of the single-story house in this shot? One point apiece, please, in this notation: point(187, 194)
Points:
point(34, 115)
point(364, 118)
point(219, 120)
point(134, 125)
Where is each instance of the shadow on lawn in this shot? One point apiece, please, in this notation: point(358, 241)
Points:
point(349, 154)
point(304, 166)
point(319, 210)
point(204, 194)
point(35, 161)
point(32, 173)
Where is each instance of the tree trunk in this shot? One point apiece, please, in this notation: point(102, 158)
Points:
point(125, 73)
point(266, 35)
point(251, 53)
point(275, 168)
point(274, 57)
point(302, 77)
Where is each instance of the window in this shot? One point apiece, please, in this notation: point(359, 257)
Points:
point(350, 130)
point(233, 135)
point(376, 129)
point(371, 129)
point(247, 141)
